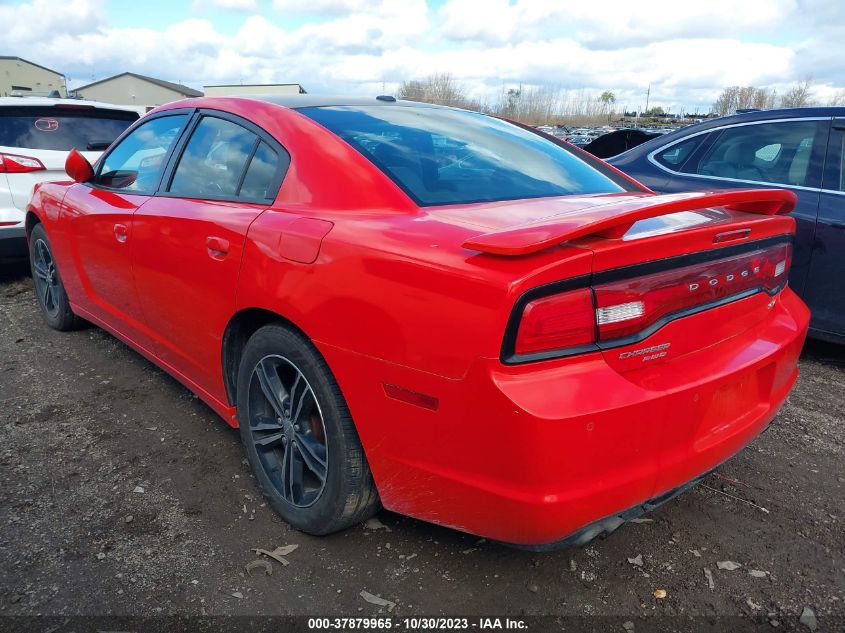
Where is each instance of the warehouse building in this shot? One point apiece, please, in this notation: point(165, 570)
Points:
point(21, 77)
point(228, 90)
point(135, 90)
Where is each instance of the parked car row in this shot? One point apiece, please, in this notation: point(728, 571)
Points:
point(456, 317)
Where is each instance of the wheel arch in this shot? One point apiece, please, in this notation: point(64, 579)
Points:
point(239, 329)
point(29, 223)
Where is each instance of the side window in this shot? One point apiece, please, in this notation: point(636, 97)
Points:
point(135, 165)
point(834, 171)
point(674, 157)
point(260, 180)
point(839, 139)
point(768, 152)
point(213, 161)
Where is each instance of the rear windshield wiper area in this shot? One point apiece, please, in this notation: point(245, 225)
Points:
point(97, 146)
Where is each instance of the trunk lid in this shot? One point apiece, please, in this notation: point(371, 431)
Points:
point(659, 265)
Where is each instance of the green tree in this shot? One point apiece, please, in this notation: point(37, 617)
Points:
point(608, 98)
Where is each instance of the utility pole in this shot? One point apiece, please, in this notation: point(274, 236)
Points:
point(647, 95)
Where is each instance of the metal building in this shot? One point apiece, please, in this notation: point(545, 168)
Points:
point(135, 90)
point(228, 90)
point(21, 77)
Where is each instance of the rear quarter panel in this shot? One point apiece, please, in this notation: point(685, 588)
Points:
point(396, 288)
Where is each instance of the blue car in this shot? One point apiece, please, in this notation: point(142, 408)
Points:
point(800, 149)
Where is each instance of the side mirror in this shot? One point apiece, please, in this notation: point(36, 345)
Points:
point(78, 167)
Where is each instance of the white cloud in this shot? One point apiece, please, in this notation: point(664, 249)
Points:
point(320, 7)
point(687, 55)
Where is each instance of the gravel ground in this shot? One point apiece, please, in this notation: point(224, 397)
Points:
point(122, 493)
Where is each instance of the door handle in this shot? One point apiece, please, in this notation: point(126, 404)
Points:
point(217, 247)
point(121, 232)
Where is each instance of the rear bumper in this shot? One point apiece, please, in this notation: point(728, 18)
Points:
point(532, 454)
point(610, 524)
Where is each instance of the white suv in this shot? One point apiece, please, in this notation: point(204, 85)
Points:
point(35, 136)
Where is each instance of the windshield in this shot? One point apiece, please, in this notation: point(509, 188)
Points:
point(444, 156)
point(63, 129)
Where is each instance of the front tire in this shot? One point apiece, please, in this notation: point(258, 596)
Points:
point(299, 436)
point(49, 289)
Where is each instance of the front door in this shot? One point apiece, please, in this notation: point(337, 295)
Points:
point(188, 242)
point(97, 218)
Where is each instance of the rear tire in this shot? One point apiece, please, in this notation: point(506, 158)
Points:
point(49, 289)
point(299, 436)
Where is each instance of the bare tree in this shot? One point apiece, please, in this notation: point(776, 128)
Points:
point(534, 105)
point(838, 99)
point(438, 88)
point(799, 95)
point(736, 98)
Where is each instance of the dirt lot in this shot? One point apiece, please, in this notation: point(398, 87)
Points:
point(124, 494)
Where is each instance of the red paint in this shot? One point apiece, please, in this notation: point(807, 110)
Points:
point(406, 316)
point(615, 219)
point(301, 239)
point(78, 167)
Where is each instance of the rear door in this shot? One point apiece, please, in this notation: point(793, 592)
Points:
point(788, 153)
point(189, 238)
point(96, 218)
point(825, 289)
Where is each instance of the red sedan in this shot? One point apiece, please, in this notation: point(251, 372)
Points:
point(447, 314)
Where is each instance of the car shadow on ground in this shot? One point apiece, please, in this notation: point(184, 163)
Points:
point(824, 352)
point(13, 271)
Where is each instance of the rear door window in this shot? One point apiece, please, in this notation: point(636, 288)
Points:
point(260, 181)
point(214, 159)
point(676, 155)
point(224, 160)
point(777, 152)
point(62, 128)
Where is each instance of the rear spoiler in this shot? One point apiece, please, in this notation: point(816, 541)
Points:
point(613, 220)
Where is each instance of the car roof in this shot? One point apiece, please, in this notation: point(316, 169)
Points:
point(766, 115)
point(321, 101)
point(734, 119)
point(40, 102)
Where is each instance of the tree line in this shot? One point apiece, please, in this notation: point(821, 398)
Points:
point(799, 95)
point(530, 104)
point(553, 105)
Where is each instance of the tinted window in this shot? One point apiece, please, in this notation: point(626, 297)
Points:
point(260, 180)
point(441, 156)
point(675, 156)
point(768, 152)
point(213, 160)
point(136, 163)
point(62, 129)
point(835, 176)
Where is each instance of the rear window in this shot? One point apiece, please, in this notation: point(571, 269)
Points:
point(57, 128)
point(441, 156)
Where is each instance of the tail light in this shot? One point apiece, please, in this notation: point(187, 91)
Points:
point(619, 310)
point(629, 307)
point(12, 164)
point(564, 320)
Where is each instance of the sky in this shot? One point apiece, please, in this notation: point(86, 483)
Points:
point(685, 54)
